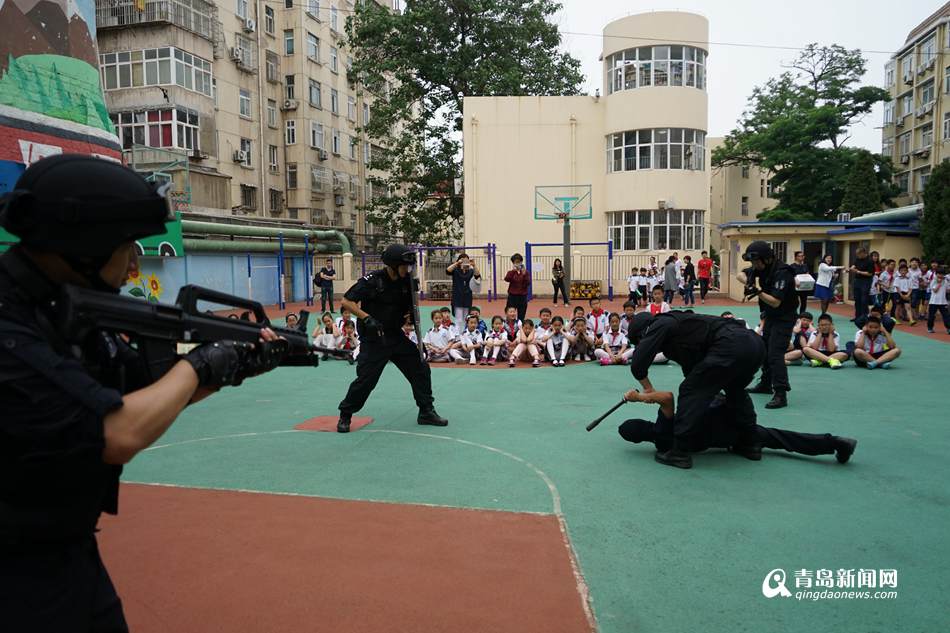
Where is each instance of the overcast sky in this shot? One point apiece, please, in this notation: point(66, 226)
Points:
point(734, 71)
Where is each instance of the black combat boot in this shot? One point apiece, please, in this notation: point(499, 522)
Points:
point(343, 425)
point(674, 457)
point(430, 417)
point(779, 400)
point(760, 387)
point(844, 447)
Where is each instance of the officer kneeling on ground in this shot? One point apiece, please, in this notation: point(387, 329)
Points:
point(381, 302)
point(773, 283)
point(71, 413)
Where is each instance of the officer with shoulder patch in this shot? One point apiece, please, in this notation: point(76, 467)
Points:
point(381, 302)
point(72, 412)
point(773, 283)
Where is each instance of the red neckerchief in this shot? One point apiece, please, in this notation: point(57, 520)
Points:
point(596, 316)
point(655, 309)
point(510, 328)
point(613, 338)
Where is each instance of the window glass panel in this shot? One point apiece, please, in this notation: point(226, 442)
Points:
point(629, 238)
point(629, 217)
point(659, 237)
point(644, 238)
point(676, 73)
point(645, 157)
point(645, 52)
point(643, 217)
point(630, 158)
point(676, 216)
point(646, 136)
point(630, 76)
point(645, 79)
point(675, 237)
point(676, 156)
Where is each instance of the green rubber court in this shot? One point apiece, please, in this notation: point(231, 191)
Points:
point(513, 518)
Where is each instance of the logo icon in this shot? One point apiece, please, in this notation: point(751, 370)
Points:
point(776, 576)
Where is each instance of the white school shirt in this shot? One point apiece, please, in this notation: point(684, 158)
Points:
point(540, 332)
point(599, 324)
point(902, 283)
point(453, 330)
point(633, 282)
point(496, 336)
point(615, 340)
point(412, 337)
point(879, 344)
point(624, 324)
point(652, 282)
point(557, 338)
point(823, 347)
point(875, 284)
point(915, 277)
point(928, 277)
point(340, 321)
point(441, 337)
point(506, 328)
point(887, 281)
point(472, 338)
point(938, 291)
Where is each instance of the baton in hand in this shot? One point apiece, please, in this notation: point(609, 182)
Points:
point(593, 425)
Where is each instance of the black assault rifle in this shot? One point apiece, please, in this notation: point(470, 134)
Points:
point(156, 329)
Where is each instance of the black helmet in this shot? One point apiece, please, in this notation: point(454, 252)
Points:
point(638, 326)
point(398, 254)
point(758, 250)
point(82, 206)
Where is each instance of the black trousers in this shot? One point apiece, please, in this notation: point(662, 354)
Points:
point(374, 354)
point(862, 292)
point(703, 287)
point(326, 297)
point(520, 303)
point(728, 366)
point(559, 285)
point(776, 333)
point(61, 588)
point(803, 300)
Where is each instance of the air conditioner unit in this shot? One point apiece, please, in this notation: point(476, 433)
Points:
point(240, 156)
point(909, 77)
point(661, 204)
point(905, 158)
point(289, 104)
point(929, 107)
point(931, 63)
point(921, 111)
point(899, 122)
point(921, 70)
point(322, 154)
point(338, 200)
point(237, 53)
point(250, 25)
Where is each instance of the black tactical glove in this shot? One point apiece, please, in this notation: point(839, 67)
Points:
point(372, 327)
point(751, 291)
point(265, 357)
point(219, 364)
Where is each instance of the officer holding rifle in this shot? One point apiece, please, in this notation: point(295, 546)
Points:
point(74, 411)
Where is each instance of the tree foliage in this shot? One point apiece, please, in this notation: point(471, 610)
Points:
point(417, 67)
point(796, 127)
point(935, 225)
point(861, 194)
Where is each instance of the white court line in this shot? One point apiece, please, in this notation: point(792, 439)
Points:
point(581, 584)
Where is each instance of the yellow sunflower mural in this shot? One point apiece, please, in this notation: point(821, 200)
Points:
point(148, 288)
point(154, 286)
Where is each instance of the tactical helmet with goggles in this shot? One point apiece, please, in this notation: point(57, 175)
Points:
point(396, 255)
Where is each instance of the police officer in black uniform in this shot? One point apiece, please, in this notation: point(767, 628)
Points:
point(716, 355)
point(72, 412)
point(381, 302)
point(773, 283)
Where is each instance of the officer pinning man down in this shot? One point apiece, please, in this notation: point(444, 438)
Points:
point(773, 283)
point(382, 301)
point(72, 412)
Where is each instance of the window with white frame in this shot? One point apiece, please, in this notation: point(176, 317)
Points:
point(352, 143)
point(155, 67)
point(744, 206)
point(290, 132)
point(781, 251)
point(887, 147)
point(923, 176)
point(316, 135)
point(656, 229)
point(288, 42)
point(946, 126)
point(291, 175)
point(334, 59)
point(315, 96)
point(928, 51)
point(246, 50)
point(366, 153)
point(269, 20)
point(272, 66)
point(313, 47)
point(889, 108)
point(354, 185)
point(745, 171)
point(903, 143)
point(276, 198)
point(926, 92)
point(271, 113)
point(907, 68)
point(946, 77)
point(903, 182)
point(313, 8)
point(351, 108)
point(889, 74)
point(319, 178)
point(272, 159)
point(335, 141)
point(656, 66)
point(658, 148)
point(334, 101)
point(249, 196)
point(926, 135)
point(334, 18)
point(366, 114)
point(241, 9)
point(289, 86)
point(246, 148)
point(175, 128)
point(244, 103)
point(907, 104)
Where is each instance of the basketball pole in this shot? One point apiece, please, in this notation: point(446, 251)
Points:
point(567, 257)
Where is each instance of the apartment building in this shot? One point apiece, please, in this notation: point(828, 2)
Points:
point(244, 104)
point(738, 193)
point(916, 129)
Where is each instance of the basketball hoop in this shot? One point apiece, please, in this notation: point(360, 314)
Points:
point(561, 217)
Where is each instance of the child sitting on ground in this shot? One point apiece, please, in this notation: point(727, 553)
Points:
point(512, 327)
point(543, 331)
point(440, 342)
point(496, 342)
point(482, 327)
point(801, 334)
point(581, 341)
point(345, 315)
point(597, 321)
point(824, 345)
point(350, 341)
point(629, 309)
point(290, 321)
point(658, 305)
point(886, 321)
point(525, 345)
point(327, 334)
point(615, 347)
point(471, 340)
point(410, 331)
point(873, 346)
point(578, 312)
point(557, 345)
point(447, 323)
point(939, 286)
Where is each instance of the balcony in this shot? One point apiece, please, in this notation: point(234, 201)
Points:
point(192, 15)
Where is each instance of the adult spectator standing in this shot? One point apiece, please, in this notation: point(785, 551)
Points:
point(517, 279)
point(463, 271)
point(862, 273)
point(670, 279)
point(705, 266)
point(689, 281)
point(773, 283)
point(824, 285)
point(801, 268)
point(557, 280)
point(325, 281)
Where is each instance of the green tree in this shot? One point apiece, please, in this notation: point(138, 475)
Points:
point(935, 225)
point(796, 127)
point(861, 194)
point(418, 66)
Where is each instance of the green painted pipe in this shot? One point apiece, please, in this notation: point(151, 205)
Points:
point(228, 246)
point(315, 236)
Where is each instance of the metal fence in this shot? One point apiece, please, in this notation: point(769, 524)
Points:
point(193, 15)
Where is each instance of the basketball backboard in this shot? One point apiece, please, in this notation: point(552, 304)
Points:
point(558, 202)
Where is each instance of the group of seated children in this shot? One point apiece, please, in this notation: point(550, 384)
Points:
point(597, 335)
point(339, 334)
point(873, 347)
